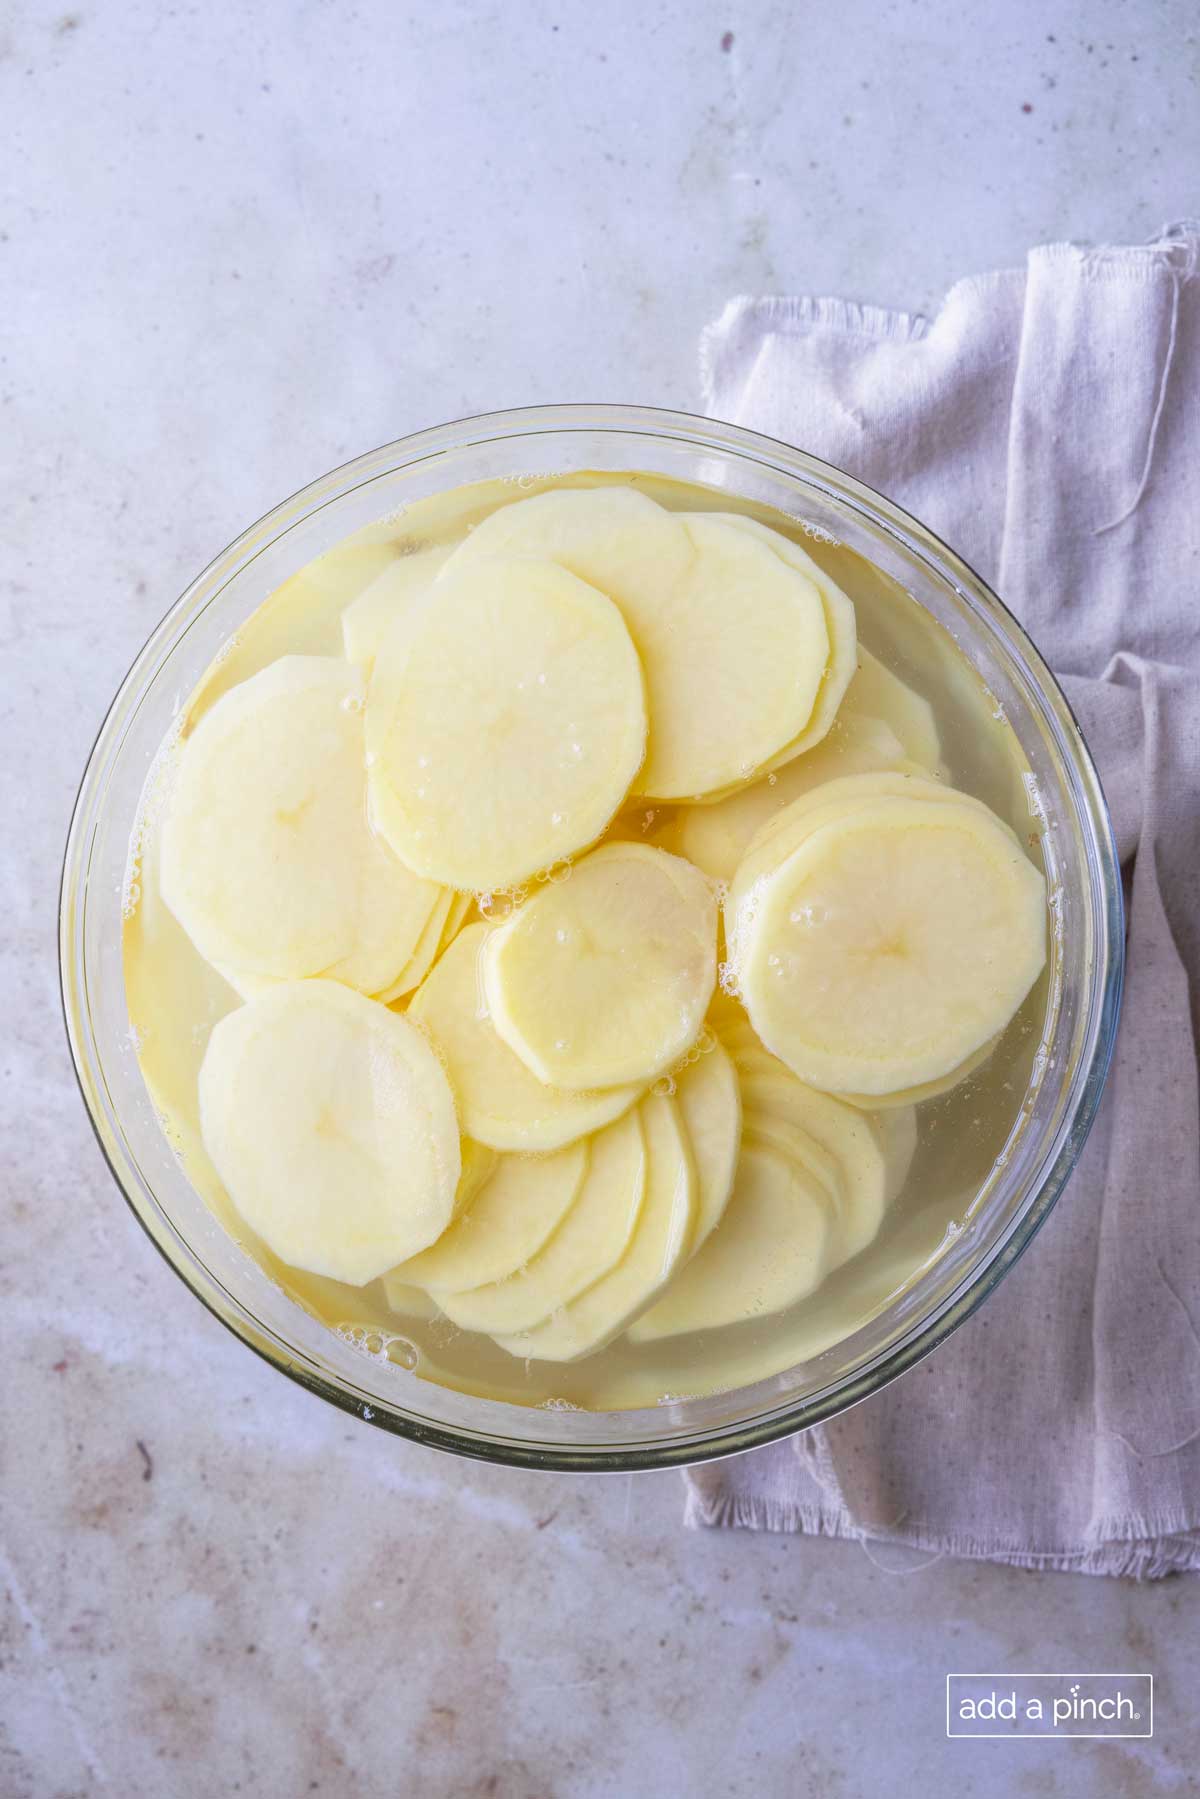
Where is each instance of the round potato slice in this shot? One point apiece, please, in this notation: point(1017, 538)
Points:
point(716, 837)
point(604, 978)
point(891, 944)
point(602, 1311)
point(332, 1127)
point(840, 629)
point(390, 595)
point(591, 1239)
point(508, 1219)
point(268, 861)
point(710, 1104)
point(425, 951)
point(875, 692)
point(733, 640)
point(914, 1096)
point(768, 1251)
point(505, 722)
point(499, 1101)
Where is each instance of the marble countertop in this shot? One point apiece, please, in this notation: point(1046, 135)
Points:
point(237, 247)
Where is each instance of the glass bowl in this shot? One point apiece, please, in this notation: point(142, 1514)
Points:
point(520, 447)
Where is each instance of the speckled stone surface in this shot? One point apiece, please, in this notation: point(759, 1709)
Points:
point(237, 247)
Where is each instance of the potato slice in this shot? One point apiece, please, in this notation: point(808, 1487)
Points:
point(733, 640)
point(856, 1143)
point(332, 1127)
point(605, 978)
point(716, 837)
point(268, 861)
point(891, 944)
point(768, 1252)
point(602, 1311)
point(402, 583)
point(508, 1219)
point(505, 722)
point(838, 610)
point(710, 1103)
point(591, 1239)
point(499, 1101)
point(875, 692)
point(425, 951)
point(915, 1096)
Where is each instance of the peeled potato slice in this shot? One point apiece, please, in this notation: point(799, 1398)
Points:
point(499, 1101)
point(367, 619)
point(914, 1096)
point(891, 945)
point(875, 692)
point(602, 1311)
point(425, 951)
point(840, 629)
point(267, 858)
point(768, 1251)
point(504, 725)
point(710, 1104)
point(733, 640)
point(856, 1143)
point(332, 1127)
point(591, 1239)
point(605, 978)
point(506, 1221)
point(716, 837)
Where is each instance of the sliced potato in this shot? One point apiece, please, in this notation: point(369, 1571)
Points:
point(602, 1311)
point(370, 616)
point(840, 629)
point(507, 1220)
point(591, 1239)
point(505, 722)
point(710, 1103)
point(604, 978)
point(425, 950)
point(891, 944)
point(875, 692)
point(732, 638)
point(500, 1102)
point(768, 1252)
point(716, 837)
point(915, 1096)
point(332, 1127)
point(268, 861)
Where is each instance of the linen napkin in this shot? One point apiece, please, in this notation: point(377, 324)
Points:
point(1046, 423)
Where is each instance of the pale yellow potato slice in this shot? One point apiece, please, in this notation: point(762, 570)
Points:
point(915, 1096)
point(768, 1252)
point(829, 803)
point(732, 638)
point(603, 1310)
point(505, 722)
point(716, 837)
point(509, 1218)
point(426, 950)
point(710, 1104)
point(460, 907)
point(604, 978)
point(499, 1101)
point(591, 1239)
point(891, 944)
point(860, 1146)
point(268, 861)
point(875, 692)
point(838, 610)
point(332, 1127)
point(368, 618)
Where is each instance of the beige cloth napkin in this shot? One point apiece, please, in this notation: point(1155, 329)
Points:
point(1047, 424)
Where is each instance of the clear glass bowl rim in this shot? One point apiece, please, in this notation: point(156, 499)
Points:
point(1103, 1001)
